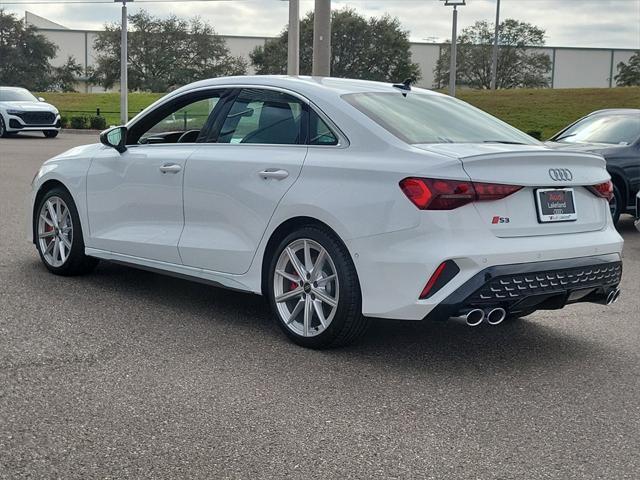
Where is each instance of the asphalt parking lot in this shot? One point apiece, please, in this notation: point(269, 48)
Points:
point(129, 374)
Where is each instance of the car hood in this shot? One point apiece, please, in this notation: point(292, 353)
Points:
point(30, 106)
point(83, 151)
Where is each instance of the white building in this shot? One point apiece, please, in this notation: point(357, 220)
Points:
point(572, 67)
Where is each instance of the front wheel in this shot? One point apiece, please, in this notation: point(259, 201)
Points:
point(58, 234)
point(314, 290)
point(3, 128)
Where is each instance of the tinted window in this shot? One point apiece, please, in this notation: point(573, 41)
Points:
point(428, 118)
point(16, 95)
point(616, 129)
point(319, 131)
point(263, 116)
point(187, 119)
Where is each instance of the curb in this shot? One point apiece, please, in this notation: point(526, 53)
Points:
point(83, 131)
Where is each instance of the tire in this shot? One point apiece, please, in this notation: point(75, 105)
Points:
point(75, 262)
point(50, 133)
point(617, 204)
point(3, 128)
point(335, 281)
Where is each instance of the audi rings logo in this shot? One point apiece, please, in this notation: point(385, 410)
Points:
point(560, 174)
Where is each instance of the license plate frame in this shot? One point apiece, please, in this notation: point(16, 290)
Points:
point(548, 214)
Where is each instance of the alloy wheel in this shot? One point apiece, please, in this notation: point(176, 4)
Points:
point(306, 287)
point(55, 231)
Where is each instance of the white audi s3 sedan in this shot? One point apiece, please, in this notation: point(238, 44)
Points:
point(339, 200)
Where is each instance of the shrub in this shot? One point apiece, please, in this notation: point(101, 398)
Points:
point(64, 121)
point(537, 134)
point(98, 122)
point(79, 121)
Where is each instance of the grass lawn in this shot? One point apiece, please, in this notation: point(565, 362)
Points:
point(543, 110)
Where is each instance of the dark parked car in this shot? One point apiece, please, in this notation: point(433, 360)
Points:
point(614, 134)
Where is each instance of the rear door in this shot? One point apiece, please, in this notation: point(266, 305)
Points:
point(234, 182)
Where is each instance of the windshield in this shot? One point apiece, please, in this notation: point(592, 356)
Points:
point(616, 129)
point(16, 95)
point(424, 118)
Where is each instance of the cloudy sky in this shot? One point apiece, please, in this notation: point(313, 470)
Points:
point(590, 23)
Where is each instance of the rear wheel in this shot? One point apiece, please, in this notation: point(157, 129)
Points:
point(314, 290)
point(58, 233)
point(50, 133)
point(616, 204)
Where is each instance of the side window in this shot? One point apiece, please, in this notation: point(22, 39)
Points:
point(181, 123)
point(319, 132)
point(264, 116)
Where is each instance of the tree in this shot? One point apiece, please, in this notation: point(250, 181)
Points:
point(374, 49)
point(518, 65)
point(65, 77)
point(24, 54)
point(163, 53)
point(629, 74)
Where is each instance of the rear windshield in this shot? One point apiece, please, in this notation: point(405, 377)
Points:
point(425, 118)
point(16, 95)
point(616, 129)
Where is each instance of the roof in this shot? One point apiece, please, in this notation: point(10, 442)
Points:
point(305, 84)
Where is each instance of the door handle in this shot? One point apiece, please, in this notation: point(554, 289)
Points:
point(276, 173)
point(170, 168)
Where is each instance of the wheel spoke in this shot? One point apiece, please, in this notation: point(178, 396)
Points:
point(56, 249)
point(308, 315)
point(289, 295)
point(58, 212)
point(317, 306)
point(50, 246)
point(48, 234)
point(293, 258)
point(308, 264)
point(296, 310)
point(52, 213)
point(321, 294)
point(317, 267)
point(62, 247)
point(66, 243)
point(323, 281)
point(46, 220)
point(288, 276)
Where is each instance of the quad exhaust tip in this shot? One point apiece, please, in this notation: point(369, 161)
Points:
point(613, 296)
point(474, 317)
point(496, 316)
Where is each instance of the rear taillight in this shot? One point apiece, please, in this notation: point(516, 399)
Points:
point(603, 190)
point(439, 194)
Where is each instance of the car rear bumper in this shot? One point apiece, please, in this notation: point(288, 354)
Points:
point(533, 286)
point(394, 268)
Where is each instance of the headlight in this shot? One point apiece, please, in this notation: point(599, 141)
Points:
point(14, 112)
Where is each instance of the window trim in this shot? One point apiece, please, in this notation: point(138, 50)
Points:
point(229, 92)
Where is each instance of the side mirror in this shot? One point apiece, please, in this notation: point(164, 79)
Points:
point(40, 99)
point(115, 137)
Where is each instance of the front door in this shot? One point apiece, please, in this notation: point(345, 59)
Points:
point(134, 199)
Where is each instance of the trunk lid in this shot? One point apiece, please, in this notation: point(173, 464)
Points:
point(533, 167)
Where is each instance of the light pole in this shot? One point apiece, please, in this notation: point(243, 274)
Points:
point(124, 87)
point(293, 58)
point(322, 39)
point(454, 40)
point(494, 57)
